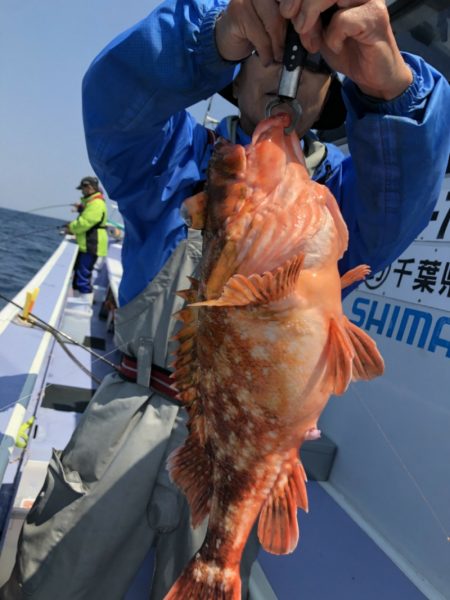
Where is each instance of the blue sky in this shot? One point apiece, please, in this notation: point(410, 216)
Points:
point(45, 49)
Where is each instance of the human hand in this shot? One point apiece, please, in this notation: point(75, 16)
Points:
point(248, 25)
point(358, 42)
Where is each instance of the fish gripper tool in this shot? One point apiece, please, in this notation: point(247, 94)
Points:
point(294, 59)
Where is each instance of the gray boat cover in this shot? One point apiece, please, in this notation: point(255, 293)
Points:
point(107, 497)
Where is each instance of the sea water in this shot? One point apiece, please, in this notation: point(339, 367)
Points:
point(27, 240)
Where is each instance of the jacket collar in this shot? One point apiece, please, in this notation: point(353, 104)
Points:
point(95, 196)
point(315, 151)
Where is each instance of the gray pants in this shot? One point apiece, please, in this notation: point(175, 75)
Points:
point(106, 500)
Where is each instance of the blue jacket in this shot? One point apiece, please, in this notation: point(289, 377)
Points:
point(149, 152)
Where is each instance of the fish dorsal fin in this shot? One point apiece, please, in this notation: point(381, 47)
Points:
point(367, 362)
point(185, 364)
point(259, 289)
point(195, 283)
point(278, 527)
point(190, 465)
point(339, 355)
point(189, 295)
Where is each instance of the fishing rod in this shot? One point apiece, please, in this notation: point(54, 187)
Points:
point(47, 207)
point(57, 332)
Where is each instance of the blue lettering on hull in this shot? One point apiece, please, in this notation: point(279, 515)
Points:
point(415, 327)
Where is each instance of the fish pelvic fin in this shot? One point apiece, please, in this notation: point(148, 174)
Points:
point(353, 275)
point(259, 289)
point(278, 529)
point(350, 354)
point(367, 362)
point(190, 467)
point(339, 354)
point(206, 580)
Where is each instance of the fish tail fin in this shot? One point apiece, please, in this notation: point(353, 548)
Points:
point(206, 580)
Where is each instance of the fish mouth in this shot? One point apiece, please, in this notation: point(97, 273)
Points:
point(278, 105)
point(272, 128)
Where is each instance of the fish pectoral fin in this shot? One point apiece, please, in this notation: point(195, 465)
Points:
point(339, 354)
point(259, 289)
point(278, 527)
point(356, 274)
point(193, 210)
point(367, 362)
point(190, 467)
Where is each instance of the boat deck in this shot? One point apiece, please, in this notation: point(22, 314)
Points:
point(335, 557)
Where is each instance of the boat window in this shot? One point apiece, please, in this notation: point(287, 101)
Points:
point(423, 28)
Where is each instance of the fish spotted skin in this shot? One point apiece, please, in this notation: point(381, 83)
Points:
point(263, 346)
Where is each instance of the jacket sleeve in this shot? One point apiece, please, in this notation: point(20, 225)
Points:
point(91, 215)
point(140, 140)
point(399, 152)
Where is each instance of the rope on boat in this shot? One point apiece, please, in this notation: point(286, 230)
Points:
point(70, 354)
point(57, 332)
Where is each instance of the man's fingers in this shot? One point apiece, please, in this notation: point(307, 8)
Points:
point(260, 39)
point(305, 14)
point(273, 24)
point(312, 40)
point(239, 31)
point(363, 23)
point(290, 8)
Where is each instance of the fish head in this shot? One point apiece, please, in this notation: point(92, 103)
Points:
point(243, 183)
point(236, 173)
point(271, 151)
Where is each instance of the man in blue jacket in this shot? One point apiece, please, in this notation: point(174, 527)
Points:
point(107, 497)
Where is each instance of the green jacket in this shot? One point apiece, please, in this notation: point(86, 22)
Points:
point(90, 227)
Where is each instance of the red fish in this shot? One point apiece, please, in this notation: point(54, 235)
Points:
point(263, 346)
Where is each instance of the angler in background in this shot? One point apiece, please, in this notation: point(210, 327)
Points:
point(88, 539)
point(89, 229)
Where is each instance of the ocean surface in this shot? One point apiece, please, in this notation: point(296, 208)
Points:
point(27, 240)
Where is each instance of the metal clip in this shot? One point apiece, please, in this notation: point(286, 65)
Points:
point(296, 109)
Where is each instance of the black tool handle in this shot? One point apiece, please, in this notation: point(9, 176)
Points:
point(294, 52)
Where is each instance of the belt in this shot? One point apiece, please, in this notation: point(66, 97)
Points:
point(160, 380)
